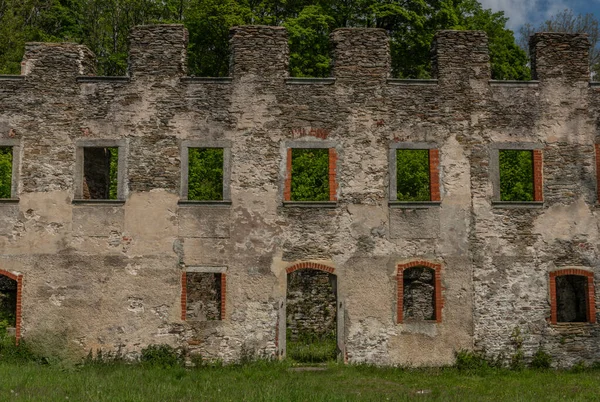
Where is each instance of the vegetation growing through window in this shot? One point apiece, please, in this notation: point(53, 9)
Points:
point(5, 172)
point(310, 174)
point(412, 175)
point(205, 174)
point(113, 173)
point(516, 175)
point(8, 303)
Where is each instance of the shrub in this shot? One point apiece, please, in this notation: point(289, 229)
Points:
point(470, 361)
point(541, 360)
point(161, 356)
point(11, 353)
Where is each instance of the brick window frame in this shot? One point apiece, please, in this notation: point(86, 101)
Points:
point(208, 270)
point(332, 147)
point(439, 303)
point(15, 144)
point(597, 151)
point(121, 168)
point(184, 155)
point(538, 168)
point(434, 173)
point(590, 296)
point(19, 279)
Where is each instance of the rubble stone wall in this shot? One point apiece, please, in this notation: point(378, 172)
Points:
point(107, 275)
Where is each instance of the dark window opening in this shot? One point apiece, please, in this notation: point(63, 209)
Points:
point(205, 174)
point(100, 173)
point(8, 305)
point(6, 159)
point(419, 293)
point(412, 175)
point(571, 298)
point(311, 316)
point(203, 292)
point(516, 175)
point(310, 174)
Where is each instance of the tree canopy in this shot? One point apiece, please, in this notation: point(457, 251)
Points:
point(103, 25)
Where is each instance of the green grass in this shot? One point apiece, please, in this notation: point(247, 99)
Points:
point(315, 351)
point(275, 382)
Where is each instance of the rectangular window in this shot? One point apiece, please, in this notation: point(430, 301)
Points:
point(414, 173)
point(516, 172)
point(205, 171)
point(6, 172)
point(516, 175)
point(100, 170)
point(311, 169)
point(100, 173)
point(203, 296)
point(205, 174)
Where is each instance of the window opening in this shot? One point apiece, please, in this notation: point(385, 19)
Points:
point(205, 174)
point(571, 298)
point(6, 173)
point(8, 306)
point(204, 296)
point(310, 174)
point(412, 175)
point(100, 173)
point(516, 175)
point(311, 316)
point(419, 293)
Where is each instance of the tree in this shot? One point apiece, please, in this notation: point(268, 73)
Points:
point(310, 175)
point(5, 172)
point(567, 21)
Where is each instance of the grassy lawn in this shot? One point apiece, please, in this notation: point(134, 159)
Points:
point(276, 382)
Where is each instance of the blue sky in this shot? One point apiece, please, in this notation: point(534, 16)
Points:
point(536, 11)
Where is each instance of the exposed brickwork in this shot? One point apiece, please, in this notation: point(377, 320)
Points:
point(310, 265)
point(438, 288)
point(597, 149)
point(332, 174)
point(287, 191)
point(183, 295)
point(538, 183)
point(591, 300)
point(434, 174)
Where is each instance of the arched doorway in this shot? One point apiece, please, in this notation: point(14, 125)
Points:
point(311, 314)
point(10, 304)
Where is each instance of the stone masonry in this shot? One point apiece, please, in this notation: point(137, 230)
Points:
point(110, 274)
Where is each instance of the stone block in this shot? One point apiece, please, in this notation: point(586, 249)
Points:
point(415, 223)
point(200, 221)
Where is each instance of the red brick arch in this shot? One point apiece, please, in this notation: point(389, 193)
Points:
point(591, 300)
point(19, 279)
point(310, 265)
point(437, 268)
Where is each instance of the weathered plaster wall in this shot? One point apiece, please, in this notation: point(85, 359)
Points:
point(108, 275)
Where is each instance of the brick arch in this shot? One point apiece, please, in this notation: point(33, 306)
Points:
point(19, 279)
point(591, 300)
point(310, 265)
point(439, 303)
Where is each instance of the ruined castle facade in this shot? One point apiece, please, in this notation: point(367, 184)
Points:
point(152, 266)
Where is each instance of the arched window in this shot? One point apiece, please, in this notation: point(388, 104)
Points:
point(572, 296)
point(419, 292)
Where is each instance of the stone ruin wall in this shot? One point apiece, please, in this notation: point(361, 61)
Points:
point(108, 275)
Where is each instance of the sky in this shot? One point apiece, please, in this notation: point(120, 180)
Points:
point(537, 11)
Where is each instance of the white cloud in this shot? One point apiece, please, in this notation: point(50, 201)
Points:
point(520, 12)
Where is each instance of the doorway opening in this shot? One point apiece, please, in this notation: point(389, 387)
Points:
point(311, 316)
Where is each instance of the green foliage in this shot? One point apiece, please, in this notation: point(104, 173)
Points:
point(11, 353)
point(163, 356)
point(412, 175)
point(470, 361)
point(541, 360)
point(309, 42)
point(113, 173)
point(516, 175)
point(103, 25)
point(5, 172)
point(310, 174)
point(205, 174)
point(311, 348)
